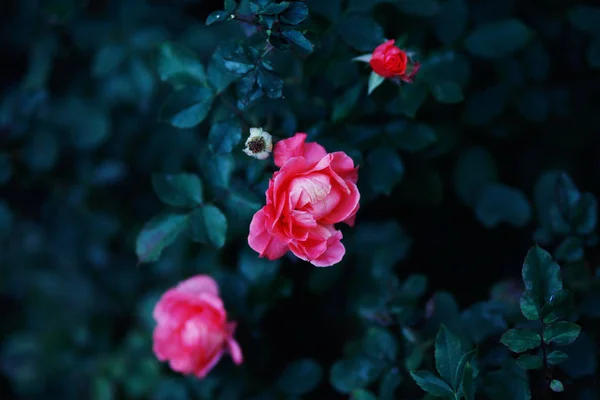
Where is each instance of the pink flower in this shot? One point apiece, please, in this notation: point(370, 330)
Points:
point(192, 331)
point(312, 191)
point(389, 61)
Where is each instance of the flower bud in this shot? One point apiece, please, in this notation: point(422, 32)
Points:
point(259, 144)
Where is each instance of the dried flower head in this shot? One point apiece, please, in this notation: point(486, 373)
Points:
point(259, 144)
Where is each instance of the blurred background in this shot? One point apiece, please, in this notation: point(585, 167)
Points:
point(466, 189)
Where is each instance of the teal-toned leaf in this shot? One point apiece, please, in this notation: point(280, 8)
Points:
point(272, 8)
point(41, 150)
point(361, 33)
point(217, 169)
point(486, 104)
point(557, 306)
point(187, 107)
point(570, 249)
point(259, 271)
point(474, 169)
point(354, 373)
point(380, 343)
point(300, 377)
point(468, 383)
point(209, 226)
point(584, 214)
point(362, 394)
point(295, 14)
point(520, 340)
point(451, 22)
point(374, 81)
point(224, 136)
point(557, 386)
point(593, 53)
point(270, 83)
point(414, 286)
point(142, 78)
point(344, 105)
point(449, 357)
point(498, 39)
point(230, 5)
point(447, 92)
point(561, 333)
point(414, 138)
point(419, 8)
point(483, 320)
point(529, 307)
point(510, 382)
point(432, 384)
point(178, 66)
point(329, 9)
point(530, 361)
point(157, 234)
point(389, 383)
point(217, 16)
point(499, 203)
point(557, 357)
point(384, 170)
point(108, 58)
point(299, 40)
point(541, 274)
point(178, 190)
point(586, 18)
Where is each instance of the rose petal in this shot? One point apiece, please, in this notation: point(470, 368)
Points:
point(334, 253)
point(199, 284)
point(262, 241)
point(347, 206)
point(295, 147)
point(204, 369)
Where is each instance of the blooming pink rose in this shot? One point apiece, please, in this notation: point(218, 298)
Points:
point(192, 331)
point(312, 191)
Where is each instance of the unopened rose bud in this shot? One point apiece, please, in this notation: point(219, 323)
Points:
point(259, 144)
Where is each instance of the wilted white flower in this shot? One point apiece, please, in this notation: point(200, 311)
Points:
point(259, 144)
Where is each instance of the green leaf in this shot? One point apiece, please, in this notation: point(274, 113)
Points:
point(343, 106)
point(270, 83)
point(362, 394)
point(432, 384)
point(468, 383)
point(541, 274)
point(451, 22)
point(374, 81)
point(389, 383)
point(178, 66)
point(178, 190)
point(230, 6)
point(420, 8)
point(498, 39)
point(224, 136)
point(217, 169)
point(586, 19)
point(593, 53)
point(300, 377)
point(361, 33)
point(380, 343)
point(259, 271)
point(529, 361)
point(529, 306)
point(294, 14)
point(217, 16)
point(354, 373)
point(447, 92)
point(187, 107)
point(298, 39)
point(556, 386)
point(569, 250)
point(414, 286)
point(557, 357)
point(584, 214)
point(561, 333)
point(474, 169)
point(557, 306)
point(158, 233)
point(499, 203)
point(384, 170)
point(450, 357)
point(520, 340)
point(108, 58)
point(414, 138)
point(209, 226)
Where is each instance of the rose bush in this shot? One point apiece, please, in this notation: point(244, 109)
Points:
point(192, 331)
point(312, 191)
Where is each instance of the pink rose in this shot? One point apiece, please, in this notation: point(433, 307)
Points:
point(389, 61)
point(312, 191)
point(192, 331)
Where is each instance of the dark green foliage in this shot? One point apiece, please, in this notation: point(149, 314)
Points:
point(122, 125)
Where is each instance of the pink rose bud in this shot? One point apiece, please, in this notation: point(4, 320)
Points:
point(312, 191)
point(390, 61)
point(192, 331)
